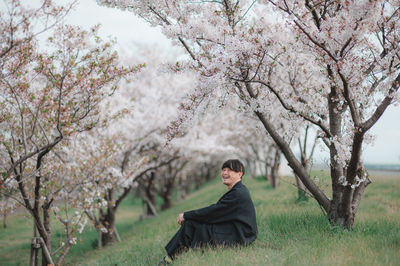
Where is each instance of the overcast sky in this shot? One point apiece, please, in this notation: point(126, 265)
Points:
point(128, 28)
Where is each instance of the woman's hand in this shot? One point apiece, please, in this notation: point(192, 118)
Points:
point(180, 219)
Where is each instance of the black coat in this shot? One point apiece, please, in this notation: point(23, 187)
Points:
point(232, 218)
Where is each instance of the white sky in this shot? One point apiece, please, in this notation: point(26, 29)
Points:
point(128, 29)
point(386, 148)
point(123, 25)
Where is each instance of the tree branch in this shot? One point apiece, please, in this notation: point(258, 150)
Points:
point(382, 107)
point(291, 109)
point(291, 158)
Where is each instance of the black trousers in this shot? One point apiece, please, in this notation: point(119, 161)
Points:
point(191, 235)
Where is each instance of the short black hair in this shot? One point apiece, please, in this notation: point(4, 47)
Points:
point(234, 165)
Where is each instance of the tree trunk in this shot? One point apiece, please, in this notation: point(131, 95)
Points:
point(267, 167)
point(348, 185)
point(5, 213)
point(343, 212)
point(34, 248)
point(5, 220)
point(108, 221)
point(60, 259)
point(39, 242)
point(47, 238)
point(168, 187)
point(167, 194)
point(343, 215)
point(148, 194)
point(167, 202)
point(107, 237)
point(151, 196)
point(150, 209)
point(208, 174)
point(275, 169)
point(305, 162)
point(41, 226)
point(346, 193)
point(301, 188)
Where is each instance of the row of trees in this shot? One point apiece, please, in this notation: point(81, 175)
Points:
point(76, 138)
point(259, 75)
point(330, 64)
point(51, 91)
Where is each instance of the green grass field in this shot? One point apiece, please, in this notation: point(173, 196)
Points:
point(289, 233)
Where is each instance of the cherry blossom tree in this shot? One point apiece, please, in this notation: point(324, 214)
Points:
point(125, 151)
point(104, 169)
point(334, 64)
point(48, 93)
point(17, 54)
point(160, 95)
point(129, 152)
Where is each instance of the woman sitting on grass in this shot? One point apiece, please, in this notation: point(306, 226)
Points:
point(230, 221)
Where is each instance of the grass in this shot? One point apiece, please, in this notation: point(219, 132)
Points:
point(289, 233)
point(15, 239)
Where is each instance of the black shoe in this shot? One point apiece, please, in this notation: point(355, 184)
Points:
point(166, 260)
